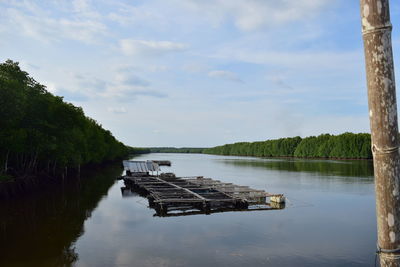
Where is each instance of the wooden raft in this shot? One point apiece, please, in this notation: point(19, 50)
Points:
point(168, 195)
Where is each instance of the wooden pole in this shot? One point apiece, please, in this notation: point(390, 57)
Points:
point(376, 29)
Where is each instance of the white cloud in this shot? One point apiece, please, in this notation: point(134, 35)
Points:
point(129, 93)
point(278, 79)
point(133, 47)
point(48, 29)
point(155, 68)
point(125, 14)
point(129, 79)
point(54, 21)
point(118, 110)
point(226, 75)
point(195, 67)
point(311, 60)
point(80, 5)
point(118, 85)
point(255, 14)
point(51, 87)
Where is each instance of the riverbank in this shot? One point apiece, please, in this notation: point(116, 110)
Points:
point(324, 146)
point(41, 135)
point(44, 139)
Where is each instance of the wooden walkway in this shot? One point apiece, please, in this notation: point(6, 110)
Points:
point(174, 196)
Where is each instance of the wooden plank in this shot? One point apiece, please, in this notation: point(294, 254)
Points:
point(199, 193)
point(196, 195)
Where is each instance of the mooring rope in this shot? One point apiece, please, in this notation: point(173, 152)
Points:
point(380, 28)
point(385, 150)
point(390, 254)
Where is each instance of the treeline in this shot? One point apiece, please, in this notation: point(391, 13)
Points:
point(138, 150)
point(345, 146)
point(42, 134)
point(176, 150)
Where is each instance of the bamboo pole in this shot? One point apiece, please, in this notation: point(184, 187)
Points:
point(376, 29)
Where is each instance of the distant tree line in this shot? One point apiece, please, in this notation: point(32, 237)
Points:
point(345, 146)
point(138, 150)
point(176, 150)
point(42, 134)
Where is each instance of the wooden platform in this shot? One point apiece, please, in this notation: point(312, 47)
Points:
point(175, 196)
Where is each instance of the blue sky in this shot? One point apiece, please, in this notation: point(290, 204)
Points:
point(199, 72)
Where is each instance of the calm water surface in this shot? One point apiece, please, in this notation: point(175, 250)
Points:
point(329, 219)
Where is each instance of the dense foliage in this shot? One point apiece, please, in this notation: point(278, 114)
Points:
point(40, 133)
point(138, 150)
point(176, 150)
point(347, 145)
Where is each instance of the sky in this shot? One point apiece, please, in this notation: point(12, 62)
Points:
point(199, 73)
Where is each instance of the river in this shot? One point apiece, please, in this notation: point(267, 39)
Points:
point(329, 219)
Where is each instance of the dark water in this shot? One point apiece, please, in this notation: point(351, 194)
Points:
point(329, 219)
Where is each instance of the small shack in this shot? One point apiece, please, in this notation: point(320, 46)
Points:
point(140, 168)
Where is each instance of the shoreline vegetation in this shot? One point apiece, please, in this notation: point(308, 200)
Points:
point(198, 150)
point(324, 146)
point(44, 138)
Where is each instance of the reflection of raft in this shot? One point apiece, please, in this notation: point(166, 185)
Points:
point(167, 193)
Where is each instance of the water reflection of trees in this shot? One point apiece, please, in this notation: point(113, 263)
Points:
point(353, 168)
point(41, 230)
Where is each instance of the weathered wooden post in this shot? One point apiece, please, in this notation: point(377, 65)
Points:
point(376, 29)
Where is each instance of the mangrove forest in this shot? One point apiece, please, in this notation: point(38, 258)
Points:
point(343, 146)
point(41, 135)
